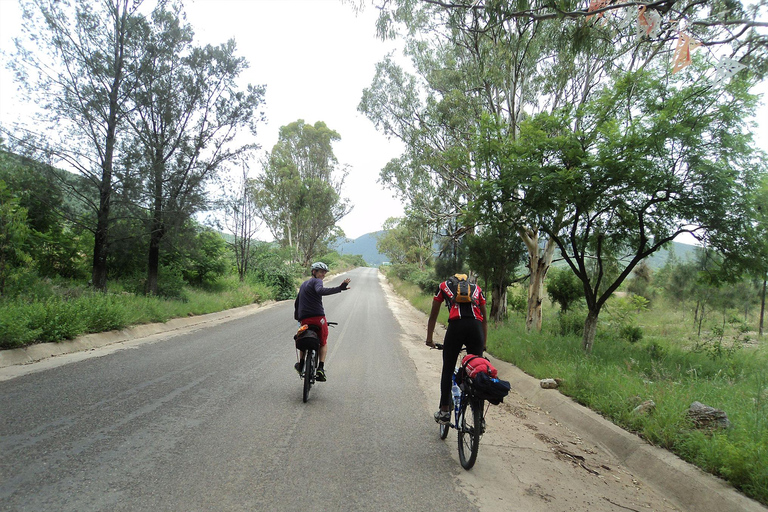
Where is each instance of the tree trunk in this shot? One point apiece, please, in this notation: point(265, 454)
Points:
point(101, 235)
point(538, 265)
point(590, 329)
point(498, 303)
point(157, 231)
point(762, 310)
point(100, 241)
point(153, 261)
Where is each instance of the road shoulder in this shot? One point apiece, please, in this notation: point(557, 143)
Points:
point(563, 455)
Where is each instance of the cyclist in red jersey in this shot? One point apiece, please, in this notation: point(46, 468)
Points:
point(467, 326)
point(308, 310)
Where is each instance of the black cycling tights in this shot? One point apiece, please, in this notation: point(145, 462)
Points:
point(462, 332)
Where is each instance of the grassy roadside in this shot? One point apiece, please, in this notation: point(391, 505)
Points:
point(65, 310)
point(618, 376)
point(75, 311)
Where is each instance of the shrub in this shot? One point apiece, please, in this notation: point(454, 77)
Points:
point(517, 299)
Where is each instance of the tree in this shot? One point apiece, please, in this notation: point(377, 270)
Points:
point(298, 194)
point(564, 288)
point(407, 240)
point(512, 60)
point(649, 159)
point(57, 244)
point(240, 220)
point(187, 110)
point(13, 233)
point(80, 57)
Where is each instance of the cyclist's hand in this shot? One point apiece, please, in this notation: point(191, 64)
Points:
point(345, 284)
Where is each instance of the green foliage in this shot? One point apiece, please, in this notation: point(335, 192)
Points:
point(623, 314)
point(424, 279)
point(298, 194)
point(407, 240)
point(271, 268)
point(206, 260)
point(563, 287)
point(517, 299)
point(14, 232)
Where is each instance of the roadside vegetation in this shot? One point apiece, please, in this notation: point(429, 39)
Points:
point(650, 350)
point(63, 309)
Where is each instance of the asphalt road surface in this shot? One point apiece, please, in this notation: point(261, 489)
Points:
point(214, 420)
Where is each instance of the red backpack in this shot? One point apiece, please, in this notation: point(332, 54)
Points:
point(473, 365)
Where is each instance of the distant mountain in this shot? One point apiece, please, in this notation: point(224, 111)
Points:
point(364, 246)
point(683, 252)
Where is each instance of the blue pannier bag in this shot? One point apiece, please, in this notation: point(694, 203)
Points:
point(490, 388)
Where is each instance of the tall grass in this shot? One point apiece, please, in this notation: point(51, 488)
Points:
point(664, 367)
point(69, 313)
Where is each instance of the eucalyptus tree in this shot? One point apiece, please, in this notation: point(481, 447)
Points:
point(298, 193)
point(186, 112)
point(74, 61)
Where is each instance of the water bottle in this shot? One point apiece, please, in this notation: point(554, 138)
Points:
point(456, 392)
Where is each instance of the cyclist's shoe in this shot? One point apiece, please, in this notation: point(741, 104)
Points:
point(298, 368)
point(443, 417)
point(320, 375)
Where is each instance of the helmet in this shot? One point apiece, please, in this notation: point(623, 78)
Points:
point(319, 265)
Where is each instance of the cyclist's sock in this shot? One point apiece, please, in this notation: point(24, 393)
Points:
point(301, 363)
point(321, 365)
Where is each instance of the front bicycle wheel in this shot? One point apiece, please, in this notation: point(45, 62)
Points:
point(309, 373)
point(470, 428)
point(444, 431)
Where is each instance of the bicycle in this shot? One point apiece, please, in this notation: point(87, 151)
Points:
point(307, 340)
point(469, 418)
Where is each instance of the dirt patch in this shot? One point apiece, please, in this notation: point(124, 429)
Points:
point(527, 459)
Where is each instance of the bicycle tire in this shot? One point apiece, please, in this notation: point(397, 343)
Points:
point(309, 374)
point(470, 429)
point(444, 431)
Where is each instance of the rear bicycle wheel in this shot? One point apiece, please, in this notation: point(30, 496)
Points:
point(470, 426)
point(309, 373)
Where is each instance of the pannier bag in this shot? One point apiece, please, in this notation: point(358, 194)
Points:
point(489, 388)
point(473, 365)
point(307, 339)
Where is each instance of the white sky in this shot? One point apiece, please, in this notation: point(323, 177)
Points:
point(315, 57)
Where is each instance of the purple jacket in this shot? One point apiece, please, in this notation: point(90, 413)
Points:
point(309, 301)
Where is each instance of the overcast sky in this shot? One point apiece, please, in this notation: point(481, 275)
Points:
point(315, 58)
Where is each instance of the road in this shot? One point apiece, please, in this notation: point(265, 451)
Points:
point(214, 420)
point(211, 418)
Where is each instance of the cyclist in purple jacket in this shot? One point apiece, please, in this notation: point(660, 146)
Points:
point(308, 310)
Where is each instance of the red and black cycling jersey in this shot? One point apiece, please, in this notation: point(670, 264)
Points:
point(459, 310)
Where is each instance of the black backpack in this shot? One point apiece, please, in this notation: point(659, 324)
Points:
point(463, 292)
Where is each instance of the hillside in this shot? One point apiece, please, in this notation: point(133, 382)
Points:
point(364, 246)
